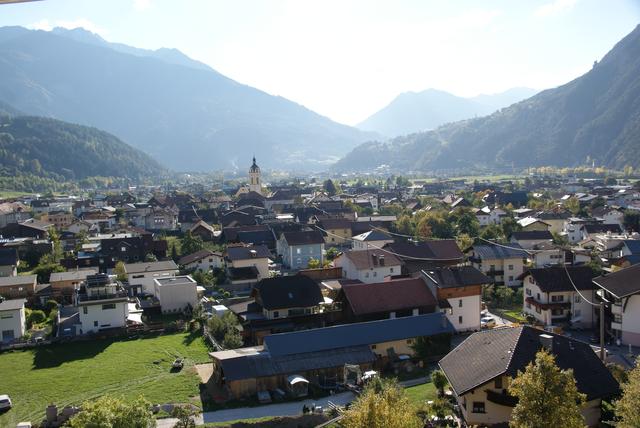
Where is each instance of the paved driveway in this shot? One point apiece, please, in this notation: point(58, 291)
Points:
point(271, 410)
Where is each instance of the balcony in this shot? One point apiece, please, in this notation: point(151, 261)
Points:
point(493, 272)
point(102, 296)
point(547, 306)
point(616, 309)
point(502, 399)
point(616, 325)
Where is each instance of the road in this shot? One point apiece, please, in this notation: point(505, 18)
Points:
point(271, 410)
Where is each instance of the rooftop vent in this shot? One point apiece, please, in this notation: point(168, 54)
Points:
point(546, 340)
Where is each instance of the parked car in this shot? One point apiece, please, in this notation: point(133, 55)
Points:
point(487, 322)
point(5, 402)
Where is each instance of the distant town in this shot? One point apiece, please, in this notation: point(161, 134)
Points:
point(255, 300)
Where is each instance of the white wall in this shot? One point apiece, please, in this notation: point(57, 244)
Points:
point(175, 297)
point(13, 320)
point(369, 276)
point(207, 263)
point(631, 321)
point(470, 312)
point(106, 318)
point(262, 264)
point(146, 279)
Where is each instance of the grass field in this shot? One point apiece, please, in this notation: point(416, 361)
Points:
point(71, 373)
point(420, 393)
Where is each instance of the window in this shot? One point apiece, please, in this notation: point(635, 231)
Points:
point(577, 298)
point(108, 306)
point(85, 310)
point(276, 314)
point(298, 250)
point(510, 277)
point(492, 267)
point(95, 323)
point(375, 273)
point(528, 292)
point(478, 407)
point(459, 303)
point(6, 317)
point(528, 305)
point(538, 310)
point(538, 296)
point(409, 341)
point(123, 249)
point(556, 312)
point(557, 298)
point(460, 319)
point(577, 312)
point(510, 267)
point(498, 382)
point(366, 275)
point(531, 280)
point(617, 318)
point(373, 346)
point(390, 270)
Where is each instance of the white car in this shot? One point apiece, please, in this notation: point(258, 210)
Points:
point(487, 322)
point(5, 402)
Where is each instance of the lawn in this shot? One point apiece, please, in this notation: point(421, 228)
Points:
point(420, 393)
point(71, 373)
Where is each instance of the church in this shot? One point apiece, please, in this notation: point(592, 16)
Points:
point(255, 181)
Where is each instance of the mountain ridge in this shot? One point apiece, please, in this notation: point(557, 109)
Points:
point(593, 118)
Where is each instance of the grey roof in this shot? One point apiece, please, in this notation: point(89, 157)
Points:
point(150, 266)
point(633, 245)
point(532, 235)
point(175, 280)
point(11, 305)
point(365, 333)
point(198, 255)
point(457, 276)
point(17, 280)
point(369, 259)
point(295, 291)
point(373, 235)
point(621, 283)
point(74, 275)
point(263, 364)
point(8, 257)
point(555, 278)
point(246, 252)
point(499, 252)
point(488, 354)
point(307, 237)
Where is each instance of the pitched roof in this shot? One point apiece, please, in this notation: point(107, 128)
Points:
point(7, 281)
point(74, 275)
point(309, 237)
point(621, 283)
point(528, 235)
point(335, 223)
point(363, 333)
point(367, 259)
point(150, 266)
point(444, 249)
point(296, 291)
point(373, 235)
point(8, 256)
point(198, 255)
point(457, 276)
point(493, 252)
point(602, 228)
point(485, 355)
point(231, 233)
point(242, 252)
point(387, 296)
point(204, 224)
point(555, 278)
point(632, 245)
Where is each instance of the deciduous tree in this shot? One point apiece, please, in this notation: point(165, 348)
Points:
point(109, 412)
point(628, 406)
point(547, 396)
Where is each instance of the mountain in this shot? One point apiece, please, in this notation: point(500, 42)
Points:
point(595, 117)
point(412, 112)
point(183, 113)
point(50, 148)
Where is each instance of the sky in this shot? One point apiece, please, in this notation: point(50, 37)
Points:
point(346, 59)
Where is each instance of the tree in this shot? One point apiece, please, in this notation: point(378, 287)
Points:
point(492, 232)
point(509, 225)
point(547, 396)
point(109, 412)
point(439, 381)
point(189, 244)
point(382, 404)
point(329, 187)
point(628, 406)
point(573, 205)
point(35, 316)
point(121, 274)
point(504, 295)
point(313, 264)
point(45, 268)
point(232, 340)
point(184, 415)
point(150, 257)
point(332, 253)
point(632, 220)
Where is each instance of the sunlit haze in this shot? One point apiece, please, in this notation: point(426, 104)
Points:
point(348, 59)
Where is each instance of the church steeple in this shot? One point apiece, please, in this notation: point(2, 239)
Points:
point(255, 184)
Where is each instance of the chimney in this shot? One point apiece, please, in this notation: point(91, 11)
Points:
point(254, 253)
point(381, 260)
point(546, 340)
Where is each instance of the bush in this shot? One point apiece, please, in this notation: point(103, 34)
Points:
point(35, 317)
point(232, 340)
point(50, 305)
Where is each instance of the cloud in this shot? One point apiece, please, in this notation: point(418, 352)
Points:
point(46, 25)
point(554, 8)
point(141, 5)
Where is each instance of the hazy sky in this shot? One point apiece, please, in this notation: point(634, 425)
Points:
point(347, 59)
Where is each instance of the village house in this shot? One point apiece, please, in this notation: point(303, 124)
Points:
point(203, 260)
point(503, 263)
point(393, 298)
point(204, 231)
point(176, 294)
point(481, 368)
point(13, 212)
point(622, 288)
point(12, 319)
point(141, 276)
point(529, 224)
point(248, 256)
point(299, 248)
point(18, 287)
point(319, 356)
point(373, 239)
point(60, 219)
point(102, 304)
point(337, 231)
point(368, 265)
point(417, 256)
point(528, 239)
point(65, 284)
point(551, 299)
point(555, 219)
point(458, 291)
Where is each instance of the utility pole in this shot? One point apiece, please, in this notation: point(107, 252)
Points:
point(602, 349)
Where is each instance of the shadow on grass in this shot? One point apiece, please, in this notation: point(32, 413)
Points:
point(55, 355)
point(189, 338)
